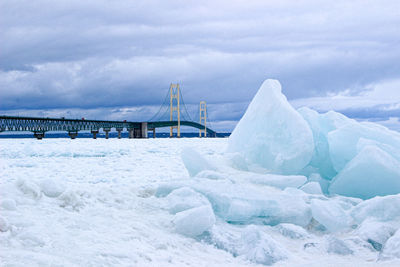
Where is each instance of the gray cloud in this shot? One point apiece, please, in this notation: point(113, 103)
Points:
point(111, 55)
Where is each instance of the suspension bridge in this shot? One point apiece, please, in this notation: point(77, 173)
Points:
point(173, 113)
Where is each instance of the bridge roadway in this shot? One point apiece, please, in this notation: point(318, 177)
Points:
point(41, 125)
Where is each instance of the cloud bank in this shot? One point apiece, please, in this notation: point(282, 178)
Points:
point(116, 59)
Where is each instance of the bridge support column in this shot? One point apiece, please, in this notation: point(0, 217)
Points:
point(154, 132)
point(94, 132)
point(137, 133)
point(73, 134)
point(131, 133)
point(119, 130)
point(107, 131)
point(38, 135)
point(143, 130)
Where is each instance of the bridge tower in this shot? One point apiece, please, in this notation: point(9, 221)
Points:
point(203, 118)
point(174, 98)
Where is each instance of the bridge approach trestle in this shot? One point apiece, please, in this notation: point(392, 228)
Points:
point(39, 126)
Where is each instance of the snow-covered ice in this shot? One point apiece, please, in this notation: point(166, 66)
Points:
point(195, 221)
point(312, 188)
point(288, 188)
point(392, 248)
point(118, 203)
point(185, 198)
point(376, 232)
point(107, 214)
point(372, 172)
point(330, 214)
point(194, 162)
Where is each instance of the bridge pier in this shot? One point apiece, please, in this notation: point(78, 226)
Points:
point(38, 126)
point(107, 131)
point(94, 132)
point(131, 133)
point(73, 134)
point(119, 130)
point(38, 135)
point(143, 130)
point(154, 132)
point(137, 133)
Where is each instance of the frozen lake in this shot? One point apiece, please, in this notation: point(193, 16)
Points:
point(90, 202)
point(108, 218)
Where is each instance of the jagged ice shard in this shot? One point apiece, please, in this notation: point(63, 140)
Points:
point(272, 134)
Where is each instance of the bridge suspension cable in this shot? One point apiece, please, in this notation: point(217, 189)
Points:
point(157, 116)
point(177, 110)
point(189, 118)
point(208, 120)
point(164, 117)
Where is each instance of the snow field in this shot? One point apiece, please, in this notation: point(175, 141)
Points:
point(136, 205)
point(91, 203)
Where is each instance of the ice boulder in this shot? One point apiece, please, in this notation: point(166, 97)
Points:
point(376, 233)
point(29, 188)
point(330, 214)
point(321, 125)
point(253, 243)
point(4, 225)
point(392, 248)
point(185, 198)
point(344, 140)
point(260, 248)
point(379, 208)
point(70, 200)
point(292, 231)
point(8, 204)
point(323, 183)
point(373, 172)
point(391, 150)
point(194, 162)
point(243, 203)
point(337, 246)
point(237, 161)
point(194, 222)
point(275, 180)
point(50, 188)
point(163, 189)
point(312, 188)
point(272, 134)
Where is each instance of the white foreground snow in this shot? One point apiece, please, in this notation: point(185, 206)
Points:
point(108, 213)
point(91, 202)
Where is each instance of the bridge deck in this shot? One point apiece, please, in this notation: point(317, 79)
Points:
point(41, 125)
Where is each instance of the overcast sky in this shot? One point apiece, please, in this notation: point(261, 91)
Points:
point(115, 59)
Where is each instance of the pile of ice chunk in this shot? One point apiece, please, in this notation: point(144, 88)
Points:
point(294, 173)
point(352, 158)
